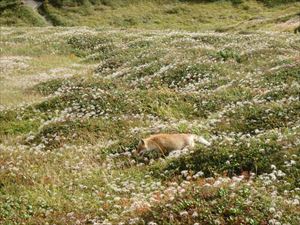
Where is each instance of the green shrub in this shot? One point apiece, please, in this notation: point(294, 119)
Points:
point(19, 14)
point(277, 2)
point(228, 54)
point(84, 45)
point(48, 87)
point(230, 159)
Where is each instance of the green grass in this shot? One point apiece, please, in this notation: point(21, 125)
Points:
point(179, 15)
point(185, 15)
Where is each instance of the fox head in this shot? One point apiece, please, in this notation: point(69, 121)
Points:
point(141, 147)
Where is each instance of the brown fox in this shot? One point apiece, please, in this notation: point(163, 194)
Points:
point(165, 143)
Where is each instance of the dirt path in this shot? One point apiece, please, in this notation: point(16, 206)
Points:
point(35, 5)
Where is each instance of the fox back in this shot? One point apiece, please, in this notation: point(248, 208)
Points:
point(165, 143)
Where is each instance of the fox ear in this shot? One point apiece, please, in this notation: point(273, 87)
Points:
point(142, 142)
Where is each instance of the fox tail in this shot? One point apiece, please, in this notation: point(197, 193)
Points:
point(202, 140)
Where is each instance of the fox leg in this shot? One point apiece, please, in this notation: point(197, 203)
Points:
point(160, 148)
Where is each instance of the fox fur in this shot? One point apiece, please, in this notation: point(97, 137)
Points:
point(165, 143)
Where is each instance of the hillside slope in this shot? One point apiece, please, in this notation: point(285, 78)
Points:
point(166, 14)
point(75, 102)
point(16, 13)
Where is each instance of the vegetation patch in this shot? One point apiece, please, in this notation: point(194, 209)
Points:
point(76, 102)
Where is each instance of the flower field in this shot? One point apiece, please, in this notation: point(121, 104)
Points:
point(76, 101)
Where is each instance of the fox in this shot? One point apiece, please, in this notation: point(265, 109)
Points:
point(165, 143)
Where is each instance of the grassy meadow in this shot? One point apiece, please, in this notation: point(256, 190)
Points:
point(190, 15)
point(75, 101)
